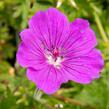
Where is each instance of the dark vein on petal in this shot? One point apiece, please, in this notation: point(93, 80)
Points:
point(42, 35)
point(56, 75)
point(70, 72)
point(80, 45)
point(47, 76)
point(57, 23)
point(61, 34)
point(77, 71)
point(38, 33)
point(70, 35)
point(75, 52)
point(48, 29)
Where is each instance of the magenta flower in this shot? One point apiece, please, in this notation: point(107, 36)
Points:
point(55, 51)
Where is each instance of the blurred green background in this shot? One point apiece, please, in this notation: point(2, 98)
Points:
point(16, 92)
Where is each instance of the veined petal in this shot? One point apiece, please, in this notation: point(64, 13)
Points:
point(27, 57)
point(46, 79)
point(31, 40)
point(82, 39)
point(51, 25)
point(85, 67)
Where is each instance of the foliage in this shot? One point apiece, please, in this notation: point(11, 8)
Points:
point(16, 92)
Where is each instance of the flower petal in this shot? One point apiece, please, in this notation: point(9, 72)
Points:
point(30, 40)
point(84, 68)
point(51, 25)
point(75, 75)
point(27, 57)
point(81, 39)
point(46, 79)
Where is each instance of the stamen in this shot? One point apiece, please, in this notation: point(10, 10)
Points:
point(54, 58)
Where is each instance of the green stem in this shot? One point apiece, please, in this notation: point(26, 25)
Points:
point(100, 27)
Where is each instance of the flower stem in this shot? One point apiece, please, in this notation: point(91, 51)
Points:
point(100, 27)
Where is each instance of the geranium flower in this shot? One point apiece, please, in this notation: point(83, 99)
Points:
point(55, 51)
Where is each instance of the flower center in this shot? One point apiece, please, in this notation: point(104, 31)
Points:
point(54, 58)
